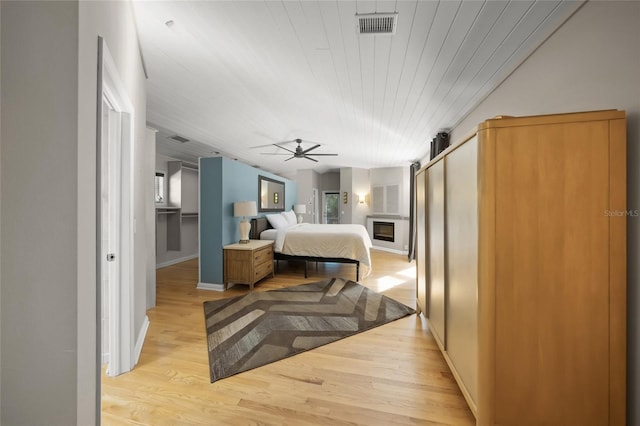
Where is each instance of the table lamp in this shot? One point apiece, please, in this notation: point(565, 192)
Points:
point(244, 209)
point(300, 209)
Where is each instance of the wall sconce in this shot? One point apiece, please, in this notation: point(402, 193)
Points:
point(345, 197)
point(362, 198)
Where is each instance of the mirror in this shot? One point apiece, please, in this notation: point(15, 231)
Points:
point(271, 195)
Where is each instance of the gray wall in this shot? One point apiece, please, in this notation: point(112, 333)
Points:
point(39, 265)
point(590, 63)
point(306, 180)
point(353, 181)
point(48, 242)
point(329, 181)
point(0, 223)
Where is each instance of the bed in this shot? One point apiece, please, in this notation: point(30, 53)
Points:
point(343, 243)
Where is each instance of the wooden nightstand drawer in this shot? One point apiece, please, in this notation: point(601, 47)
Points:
point(263, 255)
point(248, 263)
point(263, 270)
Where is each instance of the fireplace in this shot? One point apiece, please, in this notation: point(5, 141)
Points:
point(383, 231)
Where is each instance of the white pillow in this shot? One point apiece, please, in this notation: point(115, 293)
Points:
point(290, 216)
point(277, 221)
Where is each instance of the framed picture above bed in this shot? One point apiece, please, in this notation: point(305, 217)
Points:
point(271, 195)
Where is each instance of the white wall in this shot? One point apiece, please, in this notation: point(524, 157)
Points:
point(393, 176)
point(150, 217)
point(48, 243)
point(592, 62)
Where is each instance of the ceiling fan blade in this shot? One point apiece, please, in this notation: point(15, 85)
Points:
point(309, 158)
point(332, 155)
point(261, 146)
point(282, 147)
point(289, 158)
point(274, 153)
point(312, 148)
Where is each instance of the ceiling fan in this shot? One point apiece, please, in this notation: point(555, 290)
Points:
point(299, 152)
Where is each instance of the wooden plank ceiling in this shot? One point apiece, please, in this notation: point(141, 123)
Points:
point(237, 76)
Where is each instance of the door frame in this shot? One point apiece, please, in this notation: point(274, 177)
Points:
point(315, 208)
point(122, 355)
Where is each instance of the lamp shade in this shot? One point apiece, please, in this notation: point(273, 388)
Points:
point(245, 208)
point(300, 208)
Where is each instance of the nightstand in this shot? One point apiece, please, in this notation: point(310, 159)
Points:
point(248, 263)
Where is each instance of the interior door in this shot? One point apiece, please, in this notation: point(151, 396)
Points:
point(110, 227)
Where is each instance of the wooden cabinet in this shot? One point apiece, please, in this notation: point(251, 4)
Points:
point(248, 263)
point(522, 267)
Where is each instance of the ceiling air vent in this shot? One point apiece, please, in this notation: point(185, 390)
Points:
point(377, 23)
point(179, 138)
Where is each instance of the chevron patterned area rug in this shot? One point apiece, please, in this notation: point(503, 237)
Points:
point(262, 327)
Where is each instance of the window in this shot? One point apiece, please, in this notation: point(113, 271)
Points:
point(159, 185)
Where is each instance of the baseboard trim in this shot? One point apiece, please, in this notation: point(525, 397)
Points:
point(174, 261)
point(140, 341)
point(209, 286)
point(391, 250)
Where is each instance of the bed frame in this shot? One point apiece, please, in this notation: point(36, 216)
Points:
point(260, 224)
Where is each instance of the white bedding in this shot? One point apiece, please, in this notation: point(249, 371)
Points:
point(348, 241)
point(269, 234)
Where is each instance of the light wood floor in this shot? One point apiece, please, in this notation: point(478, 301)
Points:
point(391, 375)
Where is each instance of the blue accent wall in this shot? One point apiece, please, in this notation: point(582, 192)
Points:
point(223, 182)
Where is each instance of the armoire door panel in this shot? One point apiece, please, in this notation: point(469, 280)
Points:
point(462, 262)
point(421, 233)
point(436, 250)
point(552, 291)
